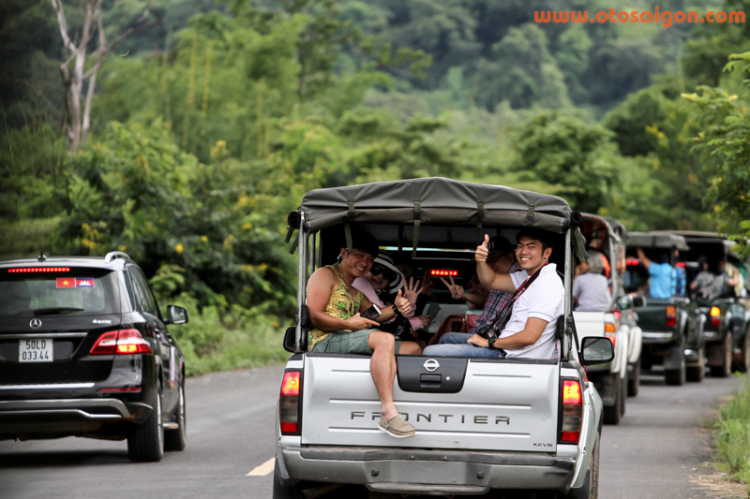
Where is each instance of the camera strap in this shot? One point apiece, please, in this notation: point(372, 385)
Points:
point(504, 314)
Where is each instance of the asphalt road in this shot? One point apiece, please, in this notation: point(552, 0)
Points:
point(657, 451)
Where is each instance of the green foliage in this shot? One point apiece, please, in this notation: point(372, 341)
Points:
point(722, 144)
point(216, 339)
point(732, 436)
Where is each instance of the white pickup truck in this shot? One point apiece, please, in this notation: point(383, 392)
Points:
point(524, 425)
point(621, 377)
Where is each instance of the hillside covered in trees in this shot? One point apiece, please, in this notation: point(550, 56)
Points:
point(208, 121)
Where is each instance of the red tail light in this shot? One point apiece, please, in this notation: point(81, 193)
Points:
point(443, 273)
point(715, 316)
point(572, 402)
point(671, 316)
point(289, 417)
point(632, 261)
point(122, 342)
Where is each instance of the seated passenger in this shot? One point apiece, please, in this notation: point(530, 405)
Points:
point(334, 306)
point(706, 285)
point(526, 325)
point(501, 259)
point(381, 284)
point(590, 289)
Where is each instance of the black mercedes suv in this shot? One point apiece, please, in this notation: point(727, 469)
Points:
point(85, 351)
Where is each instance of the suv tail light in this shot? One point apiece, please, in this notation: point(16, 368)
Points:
point(671, 316)
point(715, 316)
point(122, 342)
point(289, 409)
point(572, 409)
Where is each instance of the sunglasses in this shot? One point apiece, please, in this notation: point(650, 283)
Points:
point(384, 271)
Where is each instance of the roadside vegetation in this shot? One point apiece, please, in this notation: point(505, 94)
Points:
point(207, 128)
point(732, 436)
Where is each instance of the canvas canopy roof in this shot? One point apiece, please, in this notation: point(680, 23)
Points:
point(657, 240)
point(434, 200)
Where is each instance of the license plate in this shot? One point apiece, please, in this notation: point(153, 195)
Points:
point(35, 350)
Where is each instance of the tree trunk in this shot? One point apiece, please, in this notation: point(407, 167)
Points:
point(78, 120)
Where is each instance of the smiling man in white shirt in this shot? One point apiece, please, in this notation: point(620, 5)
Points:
point(538, 301)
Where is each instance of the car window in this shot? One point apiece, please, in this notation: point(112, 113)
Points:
point(65, 291)
point(146, 297)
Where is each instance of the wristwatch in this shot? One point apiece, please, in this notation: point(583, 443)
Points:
point(491, 343)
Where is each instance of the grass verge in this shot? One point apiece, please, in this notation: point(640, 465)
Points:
point(732, 436)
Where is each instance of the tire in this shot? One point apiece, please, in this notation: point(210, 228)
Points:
point(742, 364)
point(590, 489)
point(613, 413)
point(285, 488)
point(624, 395)
point(725, 369)
point(146, 441)
point(176, 440)
point(634, 379)
point(677, 377)
point(697, 373)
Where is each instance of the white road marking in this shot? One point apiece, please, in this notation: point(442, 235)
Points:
point(264, 469)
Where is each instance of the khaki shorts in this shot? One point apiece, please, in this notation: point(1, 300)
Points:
point(347, 342)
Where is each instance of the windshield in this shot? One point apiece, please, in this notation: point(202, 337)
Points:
point(74, 291)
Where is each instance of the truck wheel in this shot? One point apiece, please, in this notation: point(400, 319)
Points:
point(725, 368)
point(697, 373)
point(742, 364)
point(624, 394)
point(590, 489)
point(634, 379)
point(677, 377)
point(613, 413)
point(146, 440)
point(285, 488)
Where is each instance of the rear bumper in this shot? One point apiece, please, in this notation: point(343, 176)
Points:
point(40, 418)
point(410, 470)
point(659, 337)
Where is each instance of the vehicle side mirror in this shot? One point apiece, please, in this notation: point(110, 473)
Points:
point(177, 314)
point(289, 339)
point(625, 302)
point(596, 350)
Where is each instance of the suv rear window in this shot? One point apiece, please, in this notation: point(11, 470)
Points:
point(76, 291)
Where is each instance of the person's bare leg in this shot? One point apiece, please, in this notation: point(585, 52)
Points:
point(383, 369)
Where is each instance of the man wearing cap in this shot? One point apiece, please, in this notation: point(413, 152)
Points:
point(334, 305)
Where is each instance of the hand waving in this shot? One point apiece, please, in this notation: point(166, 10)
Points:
point(410, 290)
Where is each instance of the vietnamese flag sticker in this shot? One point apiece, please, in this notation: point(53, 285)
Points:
point(66, 282)
point(85, 282)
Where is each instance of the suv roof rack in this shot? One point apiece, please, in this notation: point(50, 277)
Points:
point(116, 254)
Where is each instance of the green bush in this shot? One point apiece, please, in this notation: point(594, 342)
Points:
point(732, 436)
point(218, 340)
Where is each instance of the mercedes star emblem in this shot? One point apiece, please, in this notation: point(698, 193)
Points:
point(431, 365)
point(35, 323)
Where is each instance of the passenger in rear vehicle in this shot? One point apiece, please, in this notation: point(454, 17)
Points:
point(590, 289)
point(662, 282)
point(527, 323)
point(334, 305)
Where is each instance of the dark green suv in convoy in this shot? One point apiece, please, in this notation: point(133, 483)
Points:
point(672, 327)
point(727, 319)
point(85, 351)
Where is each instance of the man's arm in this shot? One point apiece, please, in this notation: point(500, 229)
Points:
point(487, 276)
point(528, 336)
point(319, 289)
point(644, 260)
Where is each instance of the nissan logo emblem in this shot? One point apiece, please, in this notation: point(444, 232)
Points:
point(431, 365)
point(35, 323)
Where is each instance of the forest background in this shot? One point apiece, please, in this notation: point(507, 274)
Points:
point(208, 126)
